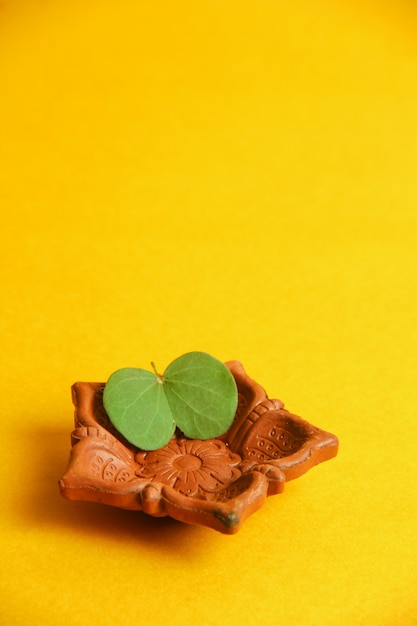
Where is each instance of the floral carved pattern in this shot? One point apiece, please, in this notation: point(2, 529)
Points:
point(192, 467)
point(217, 482)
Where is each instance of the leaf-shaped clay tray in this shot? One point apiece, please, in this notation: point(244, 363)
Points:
point(216, 483)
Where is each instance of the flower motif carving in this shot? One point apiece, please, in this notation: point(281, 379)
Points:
point(190, 466)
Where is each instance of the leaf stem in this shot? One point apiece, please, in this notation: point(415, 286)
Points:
point(160, 379)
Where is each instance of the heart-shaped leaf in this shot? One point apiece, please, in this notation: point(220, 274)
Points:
point(137, 406)
point(196, 392)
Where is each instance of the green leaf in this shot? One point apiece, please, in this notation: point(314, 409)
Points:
point(197, 392)
point(137, 406)
point(202, 395)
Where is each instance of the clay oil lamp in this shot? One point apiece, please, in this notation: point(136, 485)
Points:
point(214, 482)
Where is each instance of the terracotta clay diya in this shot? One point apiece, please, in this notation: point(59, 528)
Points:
point(216, 482)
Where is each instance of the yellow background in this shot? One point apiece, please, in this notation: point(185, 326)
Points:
point(231, 176)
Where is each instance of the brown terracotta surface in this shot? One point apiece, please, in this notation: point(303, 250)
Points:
point(216, 483)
